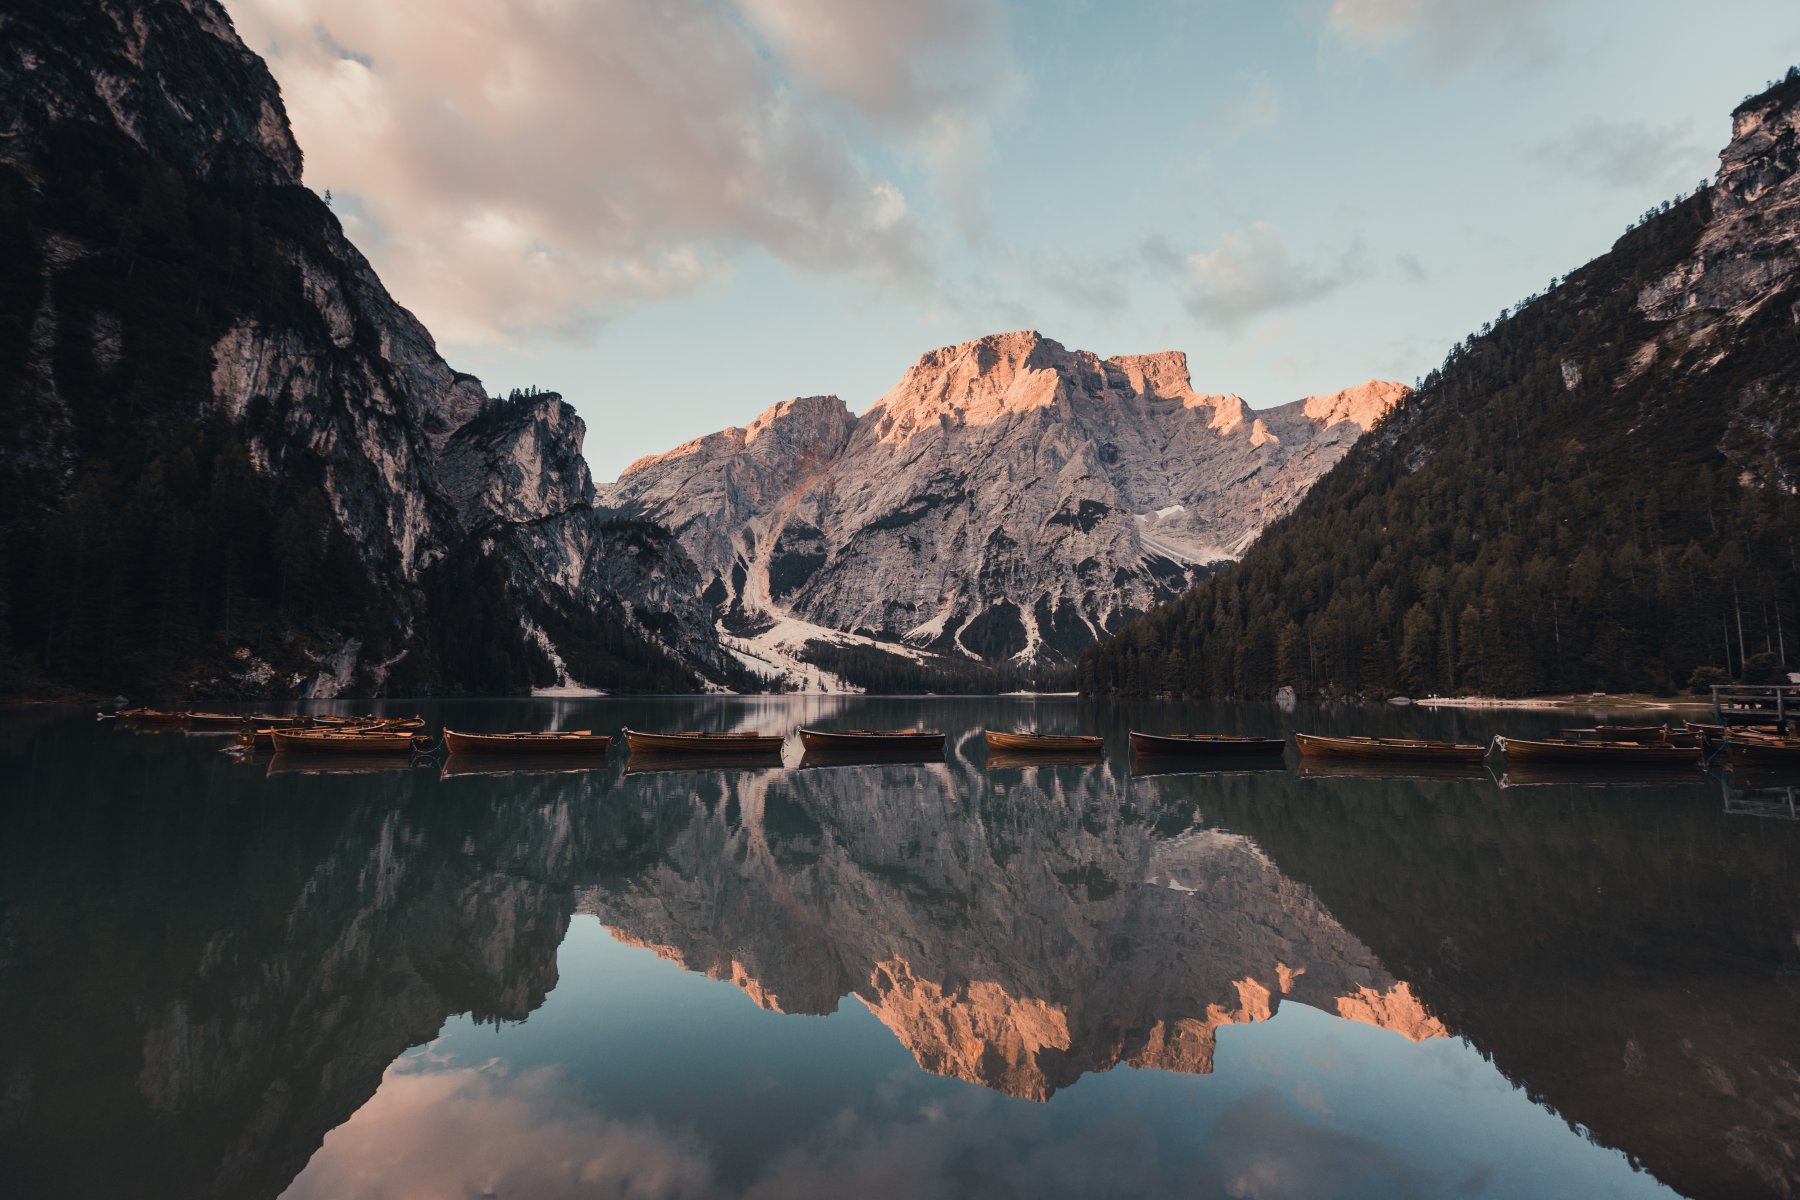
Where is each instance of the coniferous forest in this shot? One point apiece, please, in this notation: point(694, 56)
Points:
point(1545, 514)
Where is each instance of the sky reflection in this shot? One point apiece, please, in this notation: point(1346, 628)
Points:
point(1303, 1105)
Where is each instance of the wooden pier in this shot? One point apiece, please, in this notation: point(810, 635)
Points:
point(1750, 704)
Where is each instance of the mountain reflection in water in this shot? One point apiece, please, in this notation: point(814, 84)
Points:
point(208, 969)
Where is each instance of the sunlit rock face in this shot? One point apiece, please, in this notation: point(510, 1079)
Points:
point(317, 372)
point(1008, 498)
point(1015, 953)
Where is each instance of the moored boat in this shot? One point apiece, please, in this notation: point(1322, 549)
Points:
point(1762, 750)
point(870, 739)
point(571, 741)
point(703, 743)
point(263, 738)
point(332, 721)
point(227, 722)
point(1229, 744)
point(145, 716)
point(1053, 743)
point(1313, 745)
point(1648, 735)
point(1713, 736)
point(1570, 750)
point(348, 741)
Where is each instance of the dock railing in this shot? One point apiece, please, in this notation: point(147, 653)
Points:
point(1755, 704)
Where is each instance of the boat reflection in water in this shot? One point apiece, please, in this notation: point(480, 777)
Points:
point(1598, 775)
point(290, 763)
point(1762, 792)
point(813, 759)
point(490, 766)
point(1241, 971)
point(1352, 768)
point(691, 763)
point(1149, 765)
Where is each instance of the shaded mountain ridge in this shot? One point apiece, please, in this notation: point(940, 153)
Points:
point(230, 460)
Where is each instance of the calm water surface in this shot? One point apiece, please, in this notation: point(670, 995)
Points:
point(958, 978)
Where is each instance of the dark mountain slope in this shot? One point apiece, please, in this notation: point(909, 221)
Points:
point(229, 461)
point(1597, 492)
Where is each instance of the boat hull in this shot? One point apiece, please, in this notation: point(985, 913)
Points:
point(581, 742)
point(1208, 744)
point(904, 740)
point(1760, 752)
point(703, 743)
point(1621, 753)
point(1313, 745)
point(294, 741)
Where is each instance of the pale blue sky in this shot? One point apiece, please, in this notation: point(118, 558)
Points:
point(1299, 195)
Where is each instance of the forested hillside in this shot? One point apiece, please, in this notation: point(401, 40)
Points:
point(1596, 492)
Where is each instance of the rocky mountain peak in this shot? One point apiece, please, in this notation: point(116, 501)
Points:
point(1362, 405)
point(1162, 374)
point(1764, 150)
point(1008, 498)
point(975, 383)
point(803, 417)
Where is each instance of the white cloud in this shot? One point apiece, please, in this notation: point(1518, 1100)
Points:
point(472, 1131)
point(934, 72)
point(1448, 34)
point(526, 165)
point(1248, 273)
point(1256, 108)
point(1625, 154)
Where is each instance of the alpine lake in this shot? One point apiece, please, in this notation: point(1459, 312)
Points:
point(953, 978)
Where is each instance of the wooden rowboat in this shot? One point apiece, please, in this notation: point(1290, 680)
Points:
point(330, 721)
point(572, 741)
point(1205, 743)
point(255, 739)
point(1313, 745)
point(348, 741)
point(227, 722)
point(1713, 736)
point(1054, 743)
point(1567, 750)
point(145, 716)
point(870, 739)
point(703, 743)
point(1762, 750)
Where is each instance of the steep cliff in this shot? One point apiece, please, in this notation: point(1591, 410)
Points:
point(1007, 499)
point(1600, 491)
point(231, 460)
